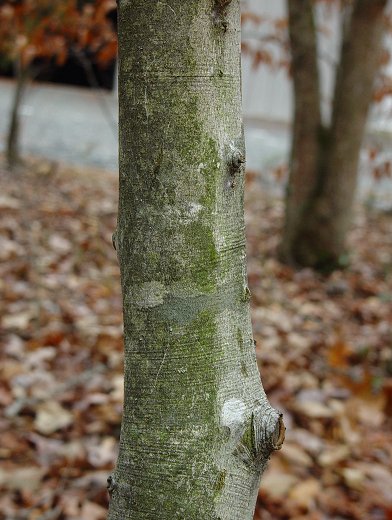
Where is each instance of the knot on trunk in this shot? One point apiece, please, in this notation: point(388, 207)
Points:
point(264, 433)
point(111, 484)
point(235, 161)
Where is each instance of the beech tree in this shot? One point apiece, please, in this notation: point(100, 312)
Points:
point(324, 159)
point(197, 429)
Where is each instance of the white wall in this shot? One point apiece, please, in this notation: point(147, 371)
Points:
point(267, 92)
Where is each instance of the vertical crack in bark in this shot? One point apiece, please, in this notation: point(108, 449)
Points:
point(114, 240)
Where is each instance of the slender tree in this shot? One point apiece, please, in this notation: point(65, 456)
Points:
point(324, 160)
point(197, 429)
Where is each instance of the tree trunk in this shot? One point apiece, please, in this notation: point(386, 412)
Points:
point(12, 151)
point(320, 235)
point(304, 161)
point(197, 429)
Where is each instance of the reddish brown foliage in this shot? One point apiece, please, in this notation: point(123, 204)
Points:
point(31, 29)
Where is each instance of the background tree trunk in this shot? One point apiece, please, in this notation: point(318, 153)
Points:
point(13, 136)
point(304, 160)
point(319, 239)
point(197, 429)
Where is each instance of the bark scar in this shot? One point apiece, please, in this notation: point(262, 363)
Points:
point(246, 294)
point(237, 160)
point(279, 434)
point(114, 240)
point(219, 14)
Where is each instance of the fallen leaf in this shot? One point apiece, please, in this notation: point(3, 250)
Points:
point(277, 485)
point(7, 202)
point(313, 409)
point(296, 455)
point(333, 455)
point(19, 479)
point(339, 354)
point(51, 416)
point(19, 320)
point(103, 453)
point(305, 493)
point(353, 478)
point(92, 511)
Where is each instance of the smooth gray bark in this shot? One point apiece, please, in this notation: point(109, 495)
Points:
point(197, 429)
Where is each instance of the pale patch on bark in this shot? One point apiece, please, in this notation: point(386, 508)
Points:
point(233, 414)
point(194, 209)
point(149, 294)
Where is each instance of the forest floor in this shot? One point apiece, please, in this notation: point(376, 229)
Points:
point(324, 344)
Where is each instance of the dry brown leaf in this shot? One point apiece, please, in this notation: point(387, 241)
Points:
point(305, 492)
point(314, 410)
point(294, 454)
point(51, 417)
point(19, 479)
point(92, 511)
point(7, 202)
point(103, 453)
point(353, 478)
point(334, 455)
point(19, 320)
point(339, 354)
point(277, 485)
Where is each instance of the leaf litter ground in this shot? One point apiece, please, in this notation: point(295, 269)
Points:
point(323, 344)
